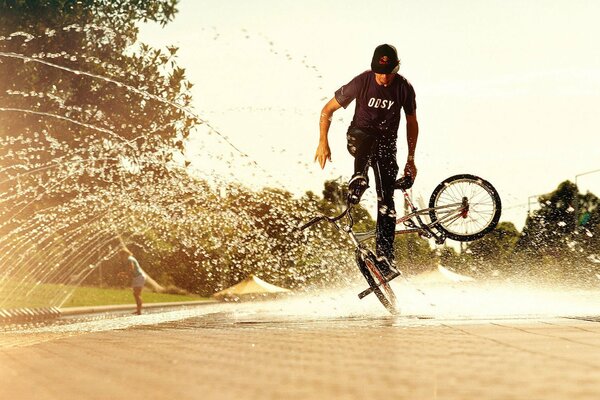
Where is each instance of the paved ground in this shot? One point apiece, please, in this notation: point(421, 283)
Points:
point(278, 351)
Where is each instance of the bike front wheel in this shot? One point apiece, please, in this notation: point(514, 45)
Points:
point(465, 207)
point(369, 267)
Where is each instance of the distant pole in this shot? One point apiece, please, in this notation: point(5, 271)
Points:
point(535, 196)
point(341, 192)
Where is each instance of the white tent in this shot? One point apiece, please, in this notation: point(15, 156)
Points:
point(251, 287)
point(441, 275)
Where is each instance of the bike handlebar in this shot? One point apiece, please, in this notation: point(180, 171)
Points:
point(403, 183)
point(326, 218)
point(312, 222)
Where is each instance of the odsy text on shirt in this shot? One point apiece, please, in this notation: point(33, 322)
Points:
point(379, 103)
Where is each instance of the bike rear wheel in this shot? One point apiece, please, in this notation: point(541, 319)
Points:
point(465, 207)
point(369, 267)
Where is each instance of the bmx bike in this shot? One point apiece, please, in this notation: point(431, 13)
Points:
point(462, 208)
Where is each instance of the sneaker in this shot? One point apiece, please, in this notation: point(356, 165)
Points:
point(356, 187)
point(388, 269)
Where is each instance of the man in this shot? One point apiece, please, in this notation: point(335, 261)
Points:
point(380, 94)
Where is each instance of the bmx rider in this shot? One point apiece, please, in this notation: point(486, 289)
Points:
point(380, 94)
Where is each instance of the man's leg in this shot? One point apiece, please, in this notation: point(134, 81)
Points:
point(360, 145)
point(386, 171)
point(137, 294)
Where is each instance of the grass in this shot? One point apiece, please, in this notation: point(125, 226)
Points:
point(90, 296)
point(45, 295)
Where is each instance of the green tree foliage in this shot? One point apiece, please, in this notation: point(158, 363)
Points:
point(497, 245)
point(587, 234)
point(84, 111)
point(559, 243)
point(567, 223)
point(450, 258)
point(90, 37)
point(78, 99)
point(548, 230)
point(560, 240)
point(414, 254)
point(494, 253)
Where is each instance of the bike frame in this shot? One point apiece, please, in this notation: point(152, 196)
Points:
point(449, 213)
point(413, 221)
point(371, 265)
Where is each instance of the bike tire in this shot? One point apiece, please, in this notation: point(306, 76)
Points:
point(483, 212)
point(369, 267)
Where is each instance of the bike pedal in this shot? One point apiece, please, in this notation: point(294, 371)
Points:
point(365, 293)
point(370, 290)
point(393, 276)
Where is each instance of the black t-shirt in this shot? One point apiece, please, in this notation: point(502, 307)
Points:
point(377, 107)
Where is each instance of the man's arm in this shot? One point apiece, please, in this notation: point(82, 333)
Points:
point(412, 134)
point(323, 153)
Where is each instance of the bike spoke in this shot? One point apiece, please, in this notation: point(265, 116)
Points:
point(449, 207)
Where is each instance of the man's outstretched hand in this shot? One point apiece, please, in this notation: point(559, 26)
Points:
point(323, 154)
point(410, 169)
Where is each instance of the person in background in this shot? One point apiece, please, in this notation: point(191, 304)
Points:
point(138, 277)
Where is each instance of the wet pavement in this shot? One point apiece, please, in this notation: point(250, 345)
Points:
point(331, 347)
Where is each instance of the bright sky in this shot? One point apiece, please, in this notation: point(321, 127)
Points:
point(507, 90)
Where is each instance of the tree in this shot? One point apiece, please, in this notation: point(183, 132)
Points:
point(556, 241)
point(414, 254)
point(548, 230)
point(85, 114)
point(494, 253)
point(82, 99)
point(587, 234)
point(452, 259)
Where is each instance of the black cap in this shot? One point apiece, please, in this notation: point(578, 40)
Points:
point(385, 59)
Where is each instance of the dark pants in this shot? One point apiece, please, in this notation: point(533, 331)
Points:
point(379, 152)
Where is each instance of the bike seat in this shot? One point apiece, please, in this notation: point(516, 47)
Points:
point(404, 183)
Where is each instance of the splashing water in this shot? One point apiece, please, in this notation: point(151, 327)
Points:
point(67, 206)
